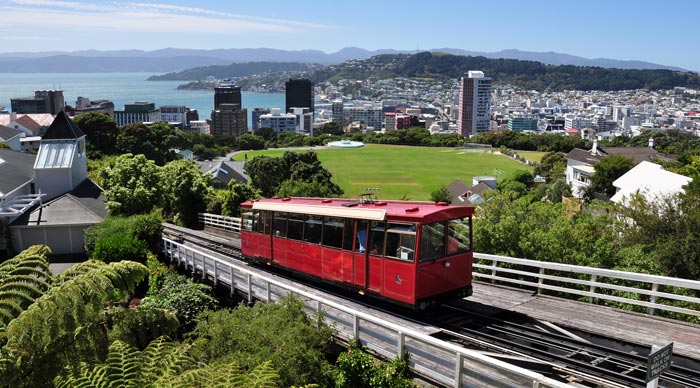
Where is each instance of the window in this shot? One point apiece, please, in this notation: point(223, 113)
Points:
point(458, 236)
point(432, 241)
point(295, 226)
point(401, 241)
point(349, 234)
point(361, 243)
point(333, 232)
point(246, 219)
point(312, 229)
point(256, 221)
point(376, 238)
point(279, 226)
point(266, 220)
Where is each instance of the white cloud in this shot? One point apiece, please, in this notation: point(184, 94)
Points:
point(150, 17)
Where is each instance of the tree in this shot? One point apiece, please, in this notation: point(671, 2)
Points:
point(278, 332)
point(441, 195)
point(100, 132)
point(155, 142)
point(236, 194)
point(132, 185)
point(186, 191)
point(250, 142)
point(65, 324)
point(266, 133)
point(607, 171)
point(330, 129)
point(266, 174)
point(552, 165)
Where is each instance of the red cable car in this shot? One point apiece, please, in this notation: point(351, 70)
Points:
point(415, 254)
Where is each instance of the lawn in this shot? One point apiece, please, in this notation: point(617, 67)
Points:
point(533, 156)
point(402, 172)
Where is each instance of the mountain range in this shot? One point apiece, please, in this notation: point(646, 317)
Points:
point(173, 59)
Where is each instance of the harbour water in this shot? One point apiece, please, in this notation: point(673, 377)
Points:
point(123, 88)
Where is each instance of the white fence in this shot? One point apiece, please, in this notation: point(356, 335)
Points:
point(441, 361)
point(594, 283)
point(232, 224)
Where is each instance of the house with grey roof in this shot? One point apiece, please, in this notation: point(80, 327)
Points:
point(465, 195)
point(47, 198)
point(223, 172)
point(11, 137)
point(580, 163)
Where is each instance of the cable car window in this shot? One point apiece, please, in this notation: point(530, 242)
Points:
point(256, 221)
point(266, 220)
point(349, 234)
point(432, 241)
point(401, 241)
point(312, 229)
point(279, 226)
point(376, 238)
point(458, 236)
point(295, 226)
point(247, 219)
point(361, 242)
point(333, 232)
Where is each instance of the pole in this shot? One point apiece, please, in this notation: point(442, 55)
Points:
point(654, 383)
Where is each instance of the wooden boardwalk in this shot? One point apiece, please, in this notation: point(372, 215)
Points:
point(642, 329)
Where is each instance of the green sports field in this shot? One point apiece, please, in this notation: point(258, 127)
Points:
point(402, 172)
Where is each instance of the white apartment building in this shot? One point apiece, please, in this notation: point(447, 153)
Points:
point(278, 121)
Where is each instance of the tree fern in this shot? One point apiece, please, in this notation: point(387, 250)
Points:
point(23, 278)
point(66, 323)
point(224, 375)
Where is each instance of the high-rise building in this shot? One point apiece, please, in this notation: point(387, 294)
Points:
point(278, 121)
point(299, 93)
point(229, 120)
point(44, 101)
point(337, 112)
point(227, 93)
point(474, 103)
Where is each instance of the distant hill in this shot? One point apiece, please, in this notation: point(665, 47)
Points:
point(233, 70)
point(174, 59)
point(526, 74)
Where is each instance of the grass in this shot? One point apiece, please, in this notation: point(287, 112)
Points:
point(533, 156)
point(402, 172)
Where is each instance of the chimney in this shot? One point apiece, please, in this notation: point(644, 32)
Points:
point(594, 150)
point(13, 116)
point(651, 142)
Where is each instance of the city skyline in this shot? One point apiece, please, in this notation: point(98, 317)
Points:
point(594, 29)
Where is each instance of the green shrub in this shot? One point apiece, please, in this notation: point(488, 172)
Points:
point(118, 247)
point(144, 228)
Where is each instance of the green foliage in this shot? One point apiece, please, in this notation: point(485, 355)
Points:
point(441, 195)
point(23, 279)
point(250, 142)
point(234, 70)
point(119, 247)
point(294, 174)
point(125, 366)
point(225, 375)
point(155, 142)
point(100, 132)
point(123, 238)
point(139, 326)
point(186, 191)
point(266, 133)
point(236, 194)
point(182, 296)
point(64, 325)
point(278, 332)
point(132, 186)
point(552, 165)
point(357, 369)
point(330, 128)
point(607, 171)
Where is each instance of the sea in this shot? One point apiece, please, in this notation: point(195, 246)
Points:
point(123, 88)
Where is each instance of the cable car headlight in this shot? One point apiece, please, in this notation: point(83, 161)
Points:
point(447, 264)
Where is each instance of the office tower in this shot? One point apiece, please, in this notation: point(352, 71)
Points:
point(44, 101)
point(474, 103)
point(229, 120)
point(299, 93)
point(227, 93)
point(139, 111)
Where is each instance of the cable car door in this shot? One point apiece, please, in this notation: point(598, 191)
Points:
point(359, 255)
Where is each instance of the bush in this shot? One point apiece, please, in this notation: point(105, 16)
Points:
point(357, 369)
point(118, 247)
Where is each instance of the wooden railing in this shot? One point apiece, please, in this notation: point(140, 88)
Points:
point(619, 288)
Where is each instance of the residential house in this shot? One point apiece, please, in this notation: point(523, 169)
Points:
point(580, 163)
point(11, 137)
point(649, 180)
point(47, 198)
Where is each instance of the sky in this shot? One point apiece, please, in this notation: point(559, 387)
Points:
point(663, 32)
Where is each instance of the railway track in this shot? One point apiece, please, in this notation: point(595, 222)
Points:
point(516, 339)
